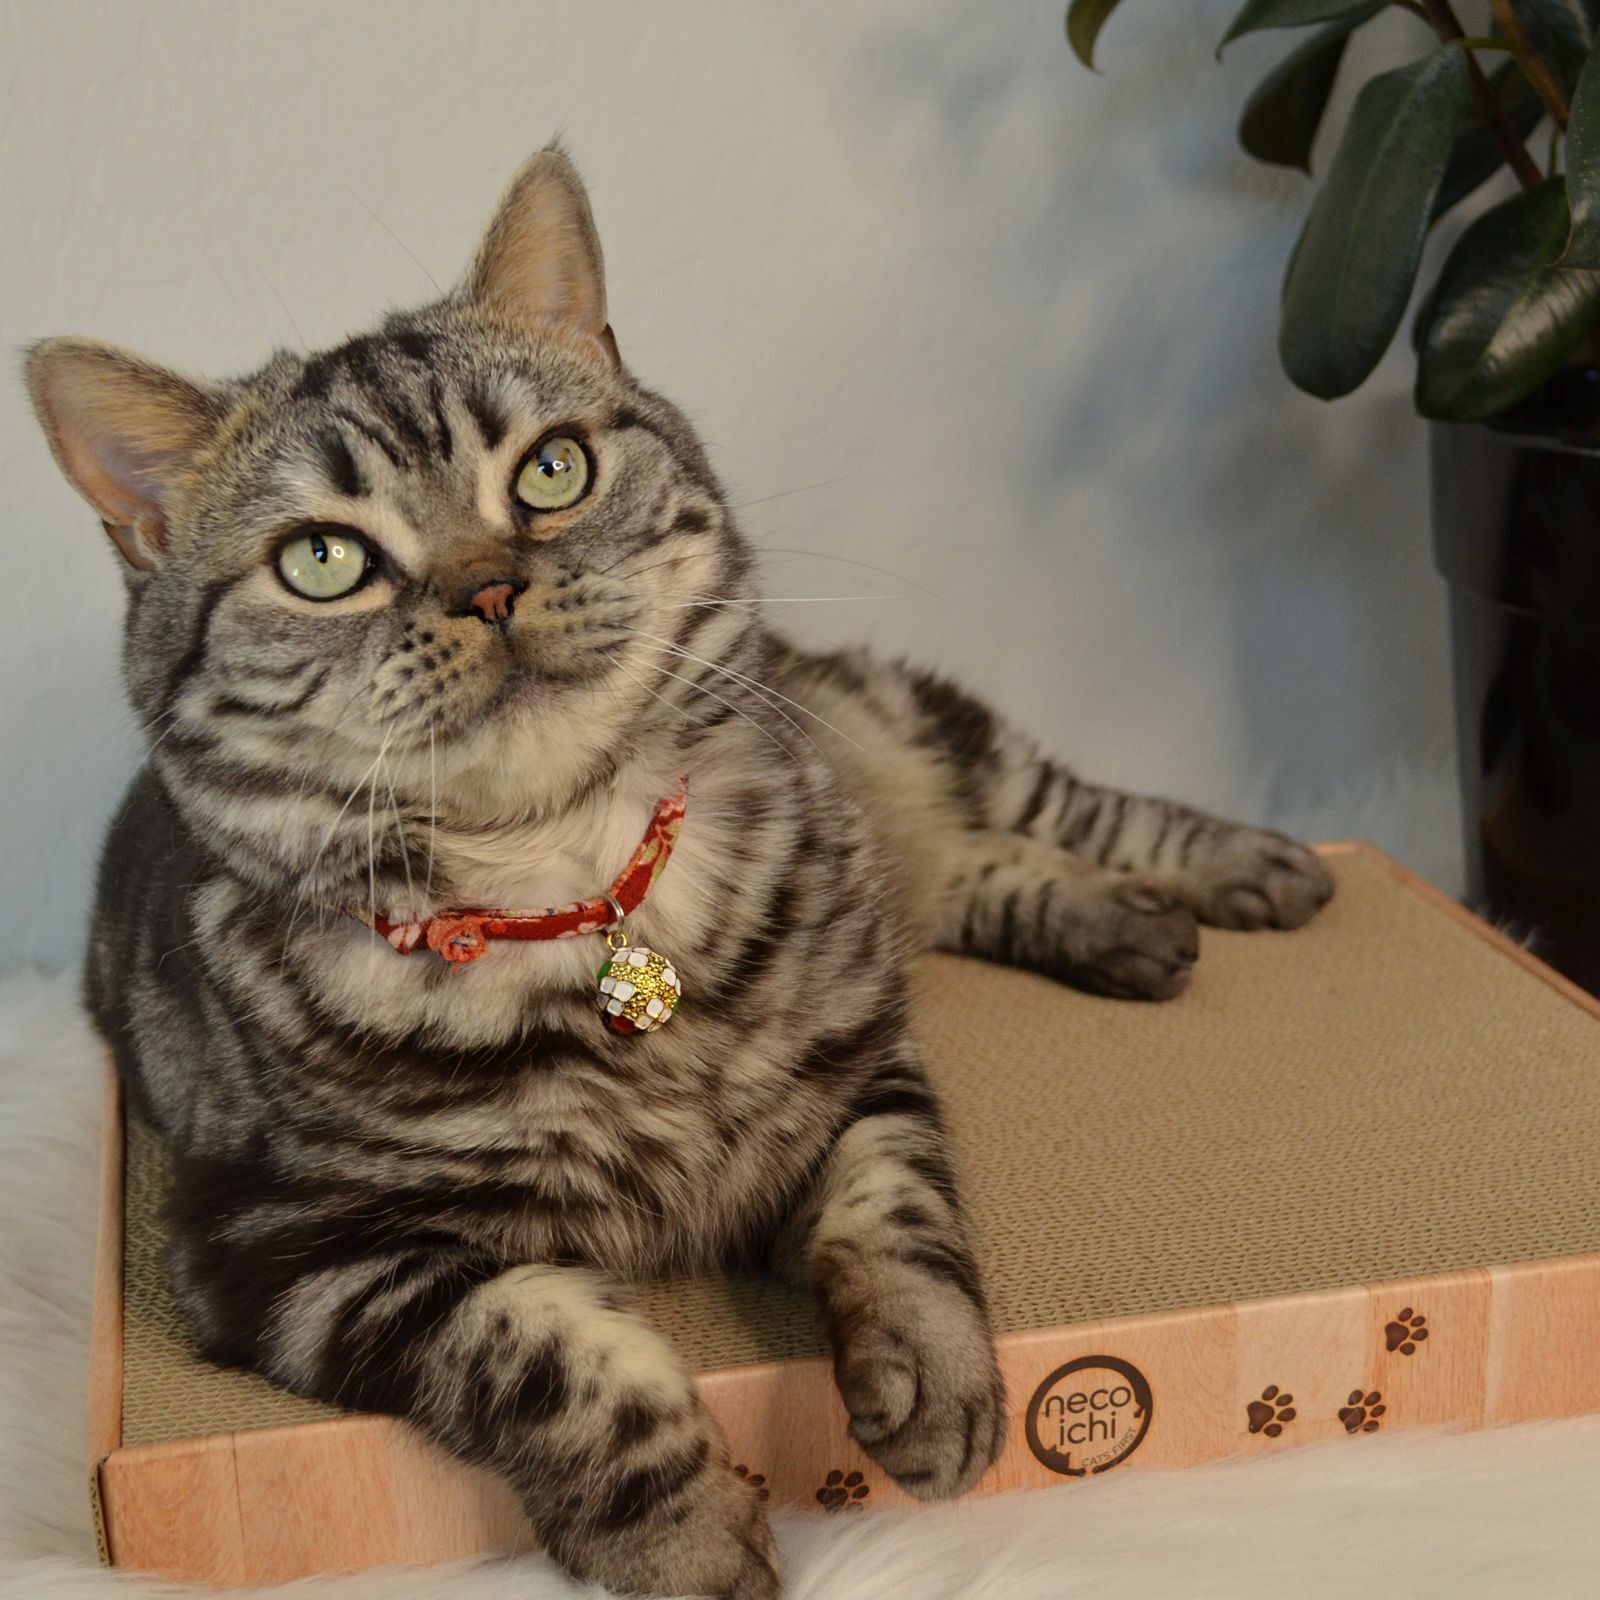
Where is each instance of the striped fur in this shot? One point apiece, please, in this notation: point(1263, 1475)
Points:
point(425, 1191)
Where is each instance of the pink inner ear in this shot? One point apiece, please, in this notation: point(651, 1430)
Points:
point(123, 488)
point(132, 480)
point(123, 480)
point(122, 430)
point(135, 542)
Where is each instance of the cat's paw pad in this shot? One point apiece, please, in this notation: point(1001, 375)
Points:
point(1143, 948)
point(1262, 880)
point(924, 1395)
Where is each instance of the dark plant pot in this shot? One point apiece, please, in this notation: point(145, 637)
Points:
point(1516, 531)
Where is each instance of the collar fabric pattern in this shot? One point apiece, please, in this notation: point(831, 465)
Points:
point(462, 936)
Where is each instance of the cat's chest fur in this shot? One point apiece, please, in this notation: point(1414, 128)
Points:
point(500, 1078)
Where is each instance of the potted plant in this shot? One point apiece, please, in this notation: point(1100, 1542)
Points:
point(1506, 346)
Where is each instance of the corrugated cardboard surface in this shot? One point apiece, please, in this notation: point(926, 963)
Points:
point(1382, 1094)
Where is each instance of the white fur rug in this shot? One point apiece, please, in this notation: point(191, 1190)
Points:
point(1516, 1511)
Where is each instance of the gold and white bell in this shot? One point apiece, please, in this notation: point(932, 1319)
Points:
point(639, 988)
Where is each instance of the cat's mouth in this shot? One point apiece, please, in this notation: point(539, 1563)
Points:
point(520, 685)
point(450, 684)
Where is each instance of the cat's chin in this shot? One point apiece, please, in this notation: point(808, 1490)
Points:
point(521, 688)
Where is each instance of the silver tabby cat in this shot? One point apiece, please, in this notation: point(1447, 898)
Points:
point(418, 1190)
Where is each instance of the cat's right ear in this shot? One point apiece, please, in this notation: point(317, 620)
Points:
point(125, 433)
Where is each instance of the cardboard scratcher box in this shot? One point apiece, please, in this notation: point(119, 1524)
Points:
point(1349, 1182)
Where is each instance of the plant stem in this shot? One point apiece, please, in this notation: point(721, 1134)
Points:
point(1531, 62)
point(1445, 23)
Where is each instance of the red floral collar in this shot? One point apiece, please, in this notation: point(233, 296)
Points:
point(461, 936)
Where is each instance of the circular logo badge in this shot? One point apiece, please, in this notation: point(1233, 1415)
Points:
point(1089, 1415)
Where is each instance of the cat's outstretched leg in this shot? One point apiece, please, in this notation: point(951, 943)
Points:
point(934, 763)
point(884, 1244)
point(536, 1372)
point(1229, 874)
point(1011, 900)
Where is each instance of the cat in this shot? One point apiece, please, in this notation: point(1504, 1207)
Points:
point(439, 619)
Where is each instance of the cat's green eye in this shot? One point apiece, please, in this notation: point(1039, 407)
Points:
point(324, 563)
point(554, 475)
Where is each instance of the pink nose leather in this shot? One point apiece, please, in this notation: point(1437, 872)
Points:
point(492, 602)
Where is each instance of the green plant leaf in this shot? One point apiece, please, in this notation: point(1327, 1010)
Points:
point(1085, 19)
point(1572, 25)
point(1352, 271)
point(1281, 118)
point(1261, 14)
point(1476, 154)
point(1503, 317)
point(1583, 170)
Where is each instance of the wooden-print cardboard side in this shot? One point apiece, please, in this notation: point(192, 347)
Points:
point(105, 1326)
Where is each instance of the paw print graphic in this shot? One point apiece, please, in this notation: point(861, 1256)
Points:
point(756, 1480)
point(843, 1491)
point(1360, 1412)
point(1271, 1412)
point(1406, 1332)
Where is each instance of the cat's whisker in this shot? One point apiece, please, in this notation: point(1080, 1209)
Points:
point(433, 804)
point(666, 561)
point(700, 688)
point(677, 711)
point(749, 682)
point(227, 288)
point(284, 304)
point(188, 944)
point(438, 287)
point(372, 863)
point(372, 832)
point(848, 561)
point(333, 827)
point(302, 891)
point(405, 853)
point(781, 599)
point(683, 655)
point(174, 719)
point(785, 494)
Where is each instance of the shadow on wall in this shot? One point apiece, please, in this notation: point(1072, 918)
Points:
point(1140, 253)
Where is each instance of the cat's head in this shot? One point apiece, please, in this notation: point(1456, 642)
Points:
point(460, 549)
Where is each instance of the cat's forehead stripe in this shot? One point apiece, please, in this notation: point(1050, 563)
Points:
point(386, 388)
point(341, 466)
point(374, 433)
point(488, 416)
point(361, 361)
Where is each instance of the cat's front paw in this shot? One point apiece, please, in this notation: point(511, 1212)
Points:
point(1261, 880)
point(1139, 942)
point(917, 1373)
point(711, 1539)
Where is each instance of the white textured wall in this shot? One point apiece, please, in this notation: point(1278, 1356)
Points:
point(941, 302)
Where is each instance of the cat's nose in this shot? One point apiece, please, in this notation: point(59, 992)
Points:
point(493, 602)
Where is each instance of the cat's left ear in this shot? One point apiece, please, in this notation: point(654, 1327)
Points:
point(540, 261)
point(124, 432)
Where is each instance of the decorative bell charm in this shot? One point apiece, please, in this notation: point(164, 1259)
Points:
point(639, 990)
